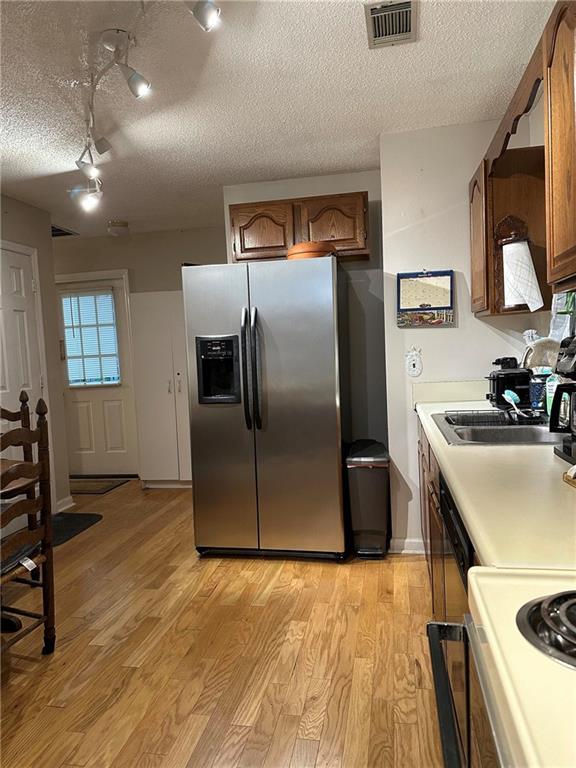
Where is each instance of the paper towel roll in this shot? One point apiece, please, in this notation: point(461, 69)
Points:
point(520, 281)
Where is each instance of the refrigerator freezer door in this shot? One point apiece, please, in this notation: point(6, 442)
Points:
point(223, 465)
point(298, 453)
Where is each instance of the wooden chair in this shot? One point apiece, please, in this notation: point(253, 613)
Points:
point(30, 548)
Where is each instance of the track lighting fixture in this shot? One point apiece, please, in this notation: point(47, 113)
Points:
point(206, 13)
point(117, 42)
point(137, 83)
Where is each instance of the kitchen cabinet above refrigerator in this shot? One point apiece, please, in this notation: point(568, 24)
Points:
point(266, 230)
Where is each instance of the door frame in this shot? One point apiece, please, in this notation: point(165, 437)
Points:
point(94, 277)
point(28, 250)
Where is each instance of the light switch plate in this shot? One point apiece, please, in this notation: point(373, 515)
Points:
point(413, 362)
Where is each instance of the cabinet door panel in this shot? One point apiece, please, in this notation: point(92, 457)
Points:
point(437, 556)
point(559, 56)
point(262, 230)
point(181, 388)
point(478, 251)
point(154, 385)
point(339, 218)
point(424, 511)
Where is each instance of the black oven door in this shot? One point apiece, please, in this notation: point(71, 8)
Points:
point(454, 751)
point(487, 743)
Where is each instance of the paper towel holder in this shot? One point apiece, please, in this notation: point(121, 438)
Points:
point(510, 229)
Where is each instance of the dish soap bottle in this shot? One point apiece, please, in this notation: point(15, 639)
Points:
point(551, 383)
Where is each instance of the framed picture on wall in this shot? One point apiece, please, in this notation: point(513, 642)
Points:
point(425, 299)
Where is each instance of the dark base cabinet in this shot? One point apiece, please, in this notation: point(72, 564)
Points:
point(431, 522)
point(450, 554)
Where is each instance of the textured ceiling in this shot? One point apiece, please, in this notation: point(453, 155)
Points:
point(280, 89)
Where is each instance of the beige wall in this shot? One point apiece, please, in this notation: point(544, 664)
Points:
point(365, 310)
point(425, 222)
point(30, 226)
point(153, 259)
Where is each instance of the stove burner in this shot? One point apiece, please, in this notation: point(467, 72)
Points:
point(549, 623)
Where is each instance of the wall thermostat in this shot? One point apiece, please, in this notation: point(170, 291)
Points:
point(413, 361)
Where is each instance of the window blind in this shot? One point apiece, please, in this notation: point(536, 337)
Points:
point(90, 338)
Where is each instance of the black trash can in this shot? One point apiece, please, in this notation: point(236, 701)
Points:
point(367, 469)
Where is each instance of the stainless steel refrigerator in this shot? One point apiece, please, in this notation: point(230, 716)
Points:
point(265, 406)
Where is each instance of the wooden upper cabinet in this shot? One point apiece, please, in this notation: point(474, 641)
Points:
point(261, 230)
point(560, 123)
point(266, 230)
point(339, 218)
point(478, 250)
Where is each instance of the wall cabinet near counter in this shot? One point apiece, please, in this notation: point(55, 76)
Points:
point(559, 48)
point(529, 173)
point(267, 230)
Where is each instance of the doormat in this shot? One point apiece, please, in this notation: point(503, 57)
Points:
point(87, 485)
point(66, 525)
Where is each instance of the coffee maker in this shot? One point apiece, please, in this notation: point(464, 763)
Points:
point(563, 410)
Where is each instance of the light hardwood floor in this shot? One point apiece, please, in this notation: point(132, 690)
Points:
point(166, 660)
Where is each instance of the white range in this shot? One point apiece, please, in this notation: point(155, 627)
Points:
point(530, 696)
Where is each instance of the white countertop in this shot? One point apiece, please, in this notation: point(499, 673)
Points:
point(530, 696)
point(516, 508)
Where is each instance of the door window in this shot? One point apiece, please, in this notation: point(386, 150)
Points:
point(90, 338)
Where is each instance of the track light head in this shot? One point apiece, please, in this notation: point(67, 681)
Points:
point(89, 170)
point(206, 13)
point(102, 145)
point(90, 200)
point(89, 197)
point(137, 83)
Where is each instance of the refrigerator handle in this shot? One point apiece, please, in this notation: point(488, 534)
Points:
point(244, 353)
point(255, 366)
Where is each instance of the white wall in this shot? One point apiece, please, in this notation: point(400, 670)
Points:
point(26, 225)
point(425, 177)
point(153, 259)
point(365, 310)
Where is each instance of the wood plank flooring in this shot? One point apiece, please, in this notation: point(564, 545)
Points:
point(166, 660)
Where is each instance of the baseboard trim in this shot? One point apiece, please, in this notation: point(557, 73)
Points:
point(157, 484)
point(407, 547)
point(63, 504)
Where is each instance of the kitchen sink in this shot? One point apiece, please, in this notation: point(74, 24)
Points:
point(505, 433)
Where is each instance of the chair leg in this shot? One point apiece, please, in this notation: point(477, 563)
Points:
point(35, 574)
point(48, 603)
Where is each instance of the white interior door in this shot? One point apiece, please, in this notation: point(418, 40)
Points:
point(19, 349)
point(99, 392)
point(155, 402)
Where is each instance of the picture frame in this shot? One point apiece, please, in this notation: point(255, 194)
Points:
point(425, 299)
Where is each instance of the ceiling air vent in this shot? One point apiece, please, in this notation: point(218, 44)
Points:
point(61, 232)
point(391, 23)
